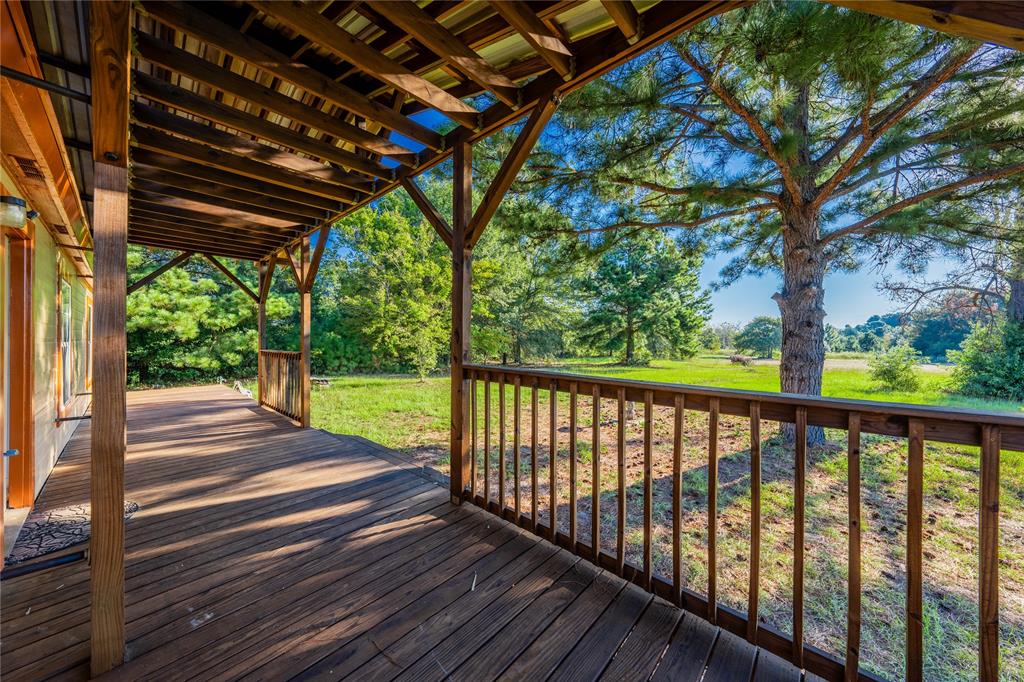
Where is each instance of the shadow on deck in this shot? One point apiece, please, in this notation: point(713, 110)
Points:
point(266, 551)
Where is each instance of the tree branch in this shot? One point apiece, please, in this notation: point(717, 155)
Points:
point(860, 227)
point(875, 126)
point(751, 192)
point(748, 117)
point(755, 208)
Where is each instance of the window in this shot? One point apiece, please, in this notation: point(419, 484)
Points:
point(88, 343)
point(66, 378)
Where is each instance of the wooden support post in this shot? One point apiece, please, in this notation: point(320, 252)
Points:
point(110, 24)
point(266, 270)
point(305, 316)
point(462, 303)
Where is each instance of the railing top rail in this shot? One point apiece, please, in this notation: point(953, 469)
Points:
point(280, 352)
point(822, 411)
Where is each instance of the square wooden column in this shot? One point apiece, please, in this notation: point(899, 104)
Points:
point(265, 273)
point(110, 26)
point(305, 318)
point(462, 305)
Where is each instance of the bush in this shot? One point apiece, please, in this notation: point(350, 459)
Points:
point(990, 362)
point(894, 368)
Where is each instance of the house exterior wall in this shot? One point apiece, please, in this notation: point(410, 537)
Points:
point(51, 436)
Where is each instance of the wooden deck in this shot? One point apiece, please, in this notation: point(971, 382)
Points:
point(269, 552)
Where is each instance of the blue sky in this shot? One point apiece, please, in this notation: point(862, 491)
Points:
point(849, 298)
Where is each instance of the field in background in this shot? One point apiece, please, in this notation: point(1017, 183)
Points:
point(412, 416)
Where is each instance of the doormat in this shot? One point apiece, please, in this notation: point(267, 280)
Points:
point(52, 530)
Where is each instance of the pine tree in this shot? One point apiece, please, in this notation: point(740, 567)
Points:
point(806, 138)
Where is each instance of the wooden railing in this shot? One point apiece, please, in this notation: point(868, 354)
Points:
point(281, 382)
point(916, 424)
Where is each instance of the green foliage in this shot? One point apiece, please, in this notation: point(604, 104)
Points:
point(644, 300)
point(382, 295)
point(938, 331)
point(761, 336)
point(191, 324)
point(894, 369)
point(990, 363)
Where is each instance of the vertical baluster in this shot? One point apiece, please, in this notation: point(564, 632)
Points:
point(501, 445)
point(713, 509)
point(799, 507)
point(487, 441)
point(853, 554)
point(677, 499)
point(472, 436)
point(620, 448)
point(915, 586)
point(988, 548)
point(553, 459)
point(753, 591)
point(572, 466)
point(648, 486)
point(516, 434)
point(534, 385)
point(595, 483)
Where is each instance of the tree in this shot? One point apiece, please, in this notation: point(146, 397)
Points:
point(383, 290)
point(801, 138)
point(192, 324)
point(762, 336)
point(644, 293)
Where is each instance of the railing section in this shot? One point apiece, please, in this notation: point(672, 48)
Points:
point(281, 382)
point(917, 424)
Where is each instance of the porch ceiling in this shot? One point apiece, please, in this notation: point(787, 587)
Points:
point(256, 123)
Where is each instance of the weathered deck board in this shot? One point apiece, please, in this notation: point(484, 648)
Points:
point(262, 550)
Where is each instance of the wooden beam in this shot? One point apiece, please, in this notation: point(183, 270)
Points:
point(462, 305)
point(174, 245)
point(218, 205)
point(433, 216)
point(243, 146)
point(305, 325)
point(163, 227)
point(109, 440)
point(510, 167)
point(449, 47)
point(549, 46)
point(231, 276)
point(171, 95)
point(142, 202)
point(992, 21)
point(309, 279)
point(233, 197)
point(146, 279)
point(111, 80)
point(218, 177)
point(307, 22)
point(110, 43)
point(185, 226)
point(226, 81)
point(295, 265)
point(625, 16)
point(207, 212)
point(198, 24)
point(157, 141)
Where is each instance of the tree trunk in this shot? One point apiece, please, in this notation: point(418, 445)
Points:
point(1015, 304)
point(517, 351)
point(802, 306)
point(630, 344)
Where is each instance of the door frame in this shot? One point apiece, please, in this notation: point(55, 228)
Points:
point(21, 469)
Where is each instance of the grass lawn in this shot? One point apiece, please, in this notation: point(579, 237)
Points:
point(412, 416)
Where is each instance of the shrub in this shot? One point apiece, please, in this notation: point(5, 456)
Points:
point(990, 362)
point(894, 369)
